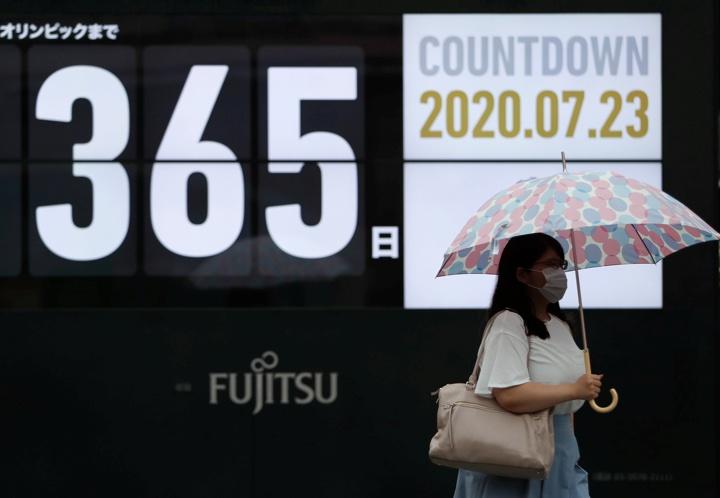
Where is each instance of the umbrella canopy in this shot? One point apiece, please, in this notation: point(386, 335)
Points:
point(600, 219)
point(614, 220)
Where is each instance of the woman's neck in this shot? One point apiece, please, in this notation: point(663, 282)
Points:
point(540, 305)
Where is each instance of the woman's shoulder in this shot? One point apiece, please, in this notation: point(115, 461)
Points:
point(509, 322)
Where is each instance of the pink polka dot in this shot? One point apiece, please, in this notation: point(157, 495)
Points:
point(560, 187)
point(640, 248)
point(666, 210)
point(472, 258)
point(492, 269)
point(579, 254)
point(499, 215)
point(597, 202)
point(656, 238)
point(638, 210)
point(607, 214)
point(694, 232)
point(671, 232)
point(635, 184)
point(469, 224)
point(580, 238)
point(612, 260)
point(515, 225)
point(604, 193)
point(600, 184)
point(567, 182)
point(485, 230)
point(600, 234)
point(572, 214)
point(574, 203)
point(611, 247)
point(636, 198)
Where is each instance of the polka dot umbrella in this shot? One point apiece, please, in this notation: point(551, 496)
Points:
point(600, 218)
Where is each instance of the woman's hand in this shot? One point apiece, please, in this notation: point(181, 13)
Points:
point(587, 386)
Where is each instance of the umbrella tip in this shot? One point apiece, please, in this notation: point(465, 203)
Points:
point(562, 156)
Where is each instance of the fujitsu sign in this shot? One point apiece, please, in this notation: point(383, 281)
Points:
point(268, 388)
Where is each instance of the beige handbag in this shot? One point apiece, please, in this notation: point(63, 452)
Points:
point(476, 433)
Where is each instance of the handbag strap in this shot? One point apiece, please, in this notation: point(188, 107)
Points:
point(470, 384)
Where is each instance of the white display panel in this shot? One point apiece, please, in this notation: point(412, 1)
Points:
point(439, 199)
point(487, 87)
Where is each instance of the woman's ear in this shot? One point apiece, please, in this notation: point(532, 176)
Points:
point(521, 275)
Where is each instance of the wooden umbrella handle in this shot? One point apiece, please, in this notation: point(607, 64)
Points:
point(613, 392)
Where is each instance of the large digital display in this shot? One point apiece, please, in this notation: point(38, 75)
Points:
point(277, 169)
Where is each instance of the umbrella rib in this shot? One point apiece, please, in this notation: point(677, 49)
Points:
point(641, 240)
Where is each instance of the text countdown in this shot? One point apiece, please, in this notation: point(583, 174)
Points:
point(530, 86)
point(198, 174)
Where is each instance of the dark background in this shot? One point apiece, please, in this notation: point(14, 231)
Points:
point(104, 381)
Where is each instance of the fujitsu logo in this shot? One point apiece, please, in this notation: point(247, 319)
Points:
point(268, 388)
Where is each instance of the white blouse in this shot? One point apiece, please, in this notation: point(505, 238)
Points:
point(511, 357)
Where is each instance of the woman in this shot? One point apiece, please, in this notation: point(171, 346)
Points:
point(532, 362)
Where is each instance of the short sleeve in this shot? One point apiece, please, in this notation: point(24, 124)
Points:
point(504, 361)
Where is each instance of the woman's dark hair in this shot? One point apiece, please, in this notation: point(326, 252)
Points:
point(523, 251)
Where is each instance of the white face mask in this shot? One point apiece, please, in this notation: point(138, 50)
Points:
point(555, 284)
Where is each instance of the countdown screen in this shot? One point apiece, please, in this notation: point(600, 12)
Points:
point(220, 227)
point(273, 169)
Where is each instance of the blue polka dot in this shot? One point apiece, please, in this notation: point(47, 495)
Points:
point(546, 196)
point(457, 267)
point(621, 191)
point(630, 254)
point(593, 253)
point(565, 245)
point(617, 180)
point(620, 236)
point(617, 204)
point(583, 187)
point(590, 176)
point(490, 212)
point(531, 212)
point(556, 222)
point(591, 215)
point(561, 196)
point(526, 228)
point(483, 260)
point(671, 243)
point(652, 202)
point(688, 239)
point(469, 238)
point(627, 219)
point(652, 248)
point(581, 196)
point(464, 252)
point(654, 216)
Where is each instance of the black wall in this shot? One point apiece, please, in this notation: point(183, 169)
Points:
point(99, 400)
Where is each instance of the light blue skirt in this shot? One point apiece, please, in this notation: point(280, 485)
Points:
point(566, 479)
